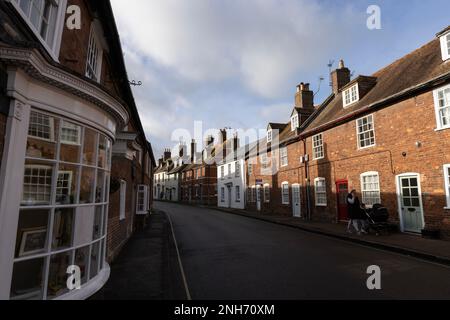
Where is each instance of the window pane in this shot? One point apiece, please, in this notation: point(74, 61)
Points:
point(27, 280)
point(95, 259)
point(97, 223)
point(87, 185)
point(32, 232)
point(100, 188)
point(89, 150)
point(81, 260)
point(41, 141)
point(37, 183)
point(66, 185)
point(70, 142)
point(63, 228)
point(102, 152)
point(57, 277)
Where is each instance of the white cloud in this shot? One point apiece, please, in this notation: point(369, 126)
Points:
point(262, 44)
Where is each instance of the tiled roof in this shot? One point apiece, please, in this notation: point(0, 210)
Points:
point(418, 67)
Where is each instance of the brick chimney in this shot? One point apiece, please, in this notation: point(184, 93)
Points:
point(340, 77)
point(167, 154)
point(304, 98)
point(209, 141)
point(160, 162)
point(223, 135)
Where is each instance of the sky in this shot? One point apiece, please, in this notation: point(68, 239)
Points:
point(236, 63)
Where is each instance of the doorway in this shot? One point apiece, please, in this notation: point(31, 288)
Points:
point(296, 201)
point(342, 193)
point(410, 203)
point(258, 198)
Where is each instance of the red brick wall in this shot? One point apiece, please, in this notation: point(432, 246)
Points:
point(208, 181)
point(119, 231)
point(74, 48)
point(397, 130)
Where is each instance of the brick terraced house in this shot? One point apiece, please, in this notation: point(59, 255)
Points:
point(65, 99)
point(384, 135)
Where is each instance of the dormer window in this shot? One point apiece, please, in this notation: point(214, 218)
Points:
point(269, 135)
point(295, 122)
point(445, 46)
point(351, 95)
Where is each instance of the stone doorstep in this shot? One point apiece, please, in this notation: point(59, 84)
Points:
point(420, 251)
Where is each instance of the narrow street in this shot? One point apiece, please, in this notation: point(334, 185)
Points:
point(232, 257)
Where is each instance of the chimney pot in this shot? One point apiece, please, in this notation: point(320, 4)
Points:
point(341, 64)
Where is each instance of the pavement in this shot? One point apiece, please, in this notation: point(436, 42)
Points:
point(147, 267)
point(232, 257)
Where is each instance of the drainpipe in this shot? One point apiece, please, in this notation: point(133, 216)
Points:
point(306, 162)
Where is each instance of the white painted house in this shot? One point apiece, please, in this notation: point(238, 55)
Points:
point(231, 178)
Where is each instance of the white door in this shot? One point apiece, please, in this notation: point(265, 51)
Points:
point(258, 198)
point(410, 203)
point(296, 204)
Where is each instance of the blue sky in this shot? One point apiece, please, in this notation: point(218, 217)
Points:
point(234, 63)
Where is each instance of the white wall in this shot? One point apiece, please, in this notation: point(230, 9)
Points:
point(231, 181)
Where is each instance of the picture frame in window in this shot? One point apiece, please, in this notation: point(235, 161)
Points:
point(33, 241)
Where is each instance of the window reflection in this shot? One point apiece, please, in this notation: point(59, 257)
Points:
point(27, 280)
point(100, 188)
point(81, 260)
point(66, 186)
point(102, 151)
point(87, 185)
point(70, 142)
point(63, 228)
point(41, 136)
point(89, 150)
point(57, 278)
point(32, 232)
point(97, 223)
point(37, 183)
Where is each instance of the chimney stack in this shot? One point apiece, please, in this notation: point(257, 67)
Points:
point(160, 162)
point(167, 154)
point(340, 77)
point(223, 135)
point(193, 151)
point(209, 141)
point(304, 98)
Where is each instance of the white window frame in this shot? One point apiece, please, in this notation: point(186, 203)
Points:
point(364, 190)
point(51, 125)
point(358, 133)
point(123, 199)
point(222, 194)
point(222, 172)
point(285, 198)
point(269, 135)
point(351, 95)
point(445, 46)
point(39, 167)
point(438, 108)
point(230, 170)
point(318, 192)
point(77, 127)
point(52, 48)
point(447, 184)
point(96, 70)
point(142, 191)
point(284, 159)
point(69, 182)
point(318, 147)
point(295, 122)
point(250, 168)
point(237, 170)
point(238, 193)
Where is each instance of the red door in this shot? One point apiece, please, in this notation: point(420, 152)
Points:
point(342, 193)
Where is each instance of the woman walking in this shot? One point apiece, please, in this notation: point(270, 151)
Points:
point(355, 213)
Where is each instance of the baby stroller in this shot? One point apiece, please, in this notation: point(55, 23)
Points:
point(377, 218)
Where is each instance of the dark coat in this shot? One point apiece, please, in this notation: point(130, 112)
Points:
point(354, 210)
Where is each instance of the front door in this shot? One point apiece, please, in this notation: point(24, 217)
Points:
point(229, 196)
point(410, 199)
point(342, 193)
point(258, 198)
point(296, 204)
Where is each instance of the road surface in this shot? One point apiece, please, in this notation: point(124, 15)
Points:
point(232, 257)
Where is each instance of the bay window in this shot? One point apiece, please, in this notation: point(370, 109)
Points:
point(64, 206)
